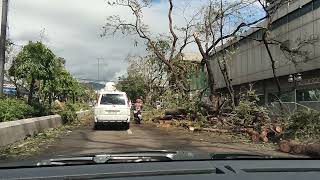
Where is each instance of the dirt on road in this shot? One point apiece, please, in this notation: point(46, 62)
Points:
point(142, 137)
point(148, 137)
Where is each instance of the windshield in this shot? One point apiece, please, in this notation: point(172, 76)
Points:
point(112, 99)
point(203, 76)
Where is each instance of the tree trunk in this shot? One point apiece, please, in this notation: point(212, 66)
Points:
point(273, 66)
point(73, 98)
point(224, 71)
point(211, 82)
point(18, 92)
point(50, 100)
point(45, 94)
point(284, 146)
point(31, 90)
point(224, 68)
point(18, 95)
point(214, 97)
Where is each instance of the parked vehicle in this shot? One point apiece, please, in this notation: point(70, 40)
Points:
point(112, 107)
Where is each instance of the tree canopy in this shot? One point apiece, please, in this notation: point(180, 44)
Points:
point(45, 75)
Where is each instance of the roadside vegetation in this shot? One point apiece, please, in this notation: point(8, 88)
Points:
point(304, 126)
point(14, 109)
point(43, 86)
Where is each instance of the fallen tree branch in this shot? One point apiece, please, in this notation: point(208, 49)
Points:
point(312, 149)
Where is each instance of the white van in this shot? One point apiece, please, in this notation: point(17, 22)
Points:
point(112, 107)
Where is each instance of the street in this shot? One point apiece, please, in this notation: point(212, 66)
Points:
point(145, 137)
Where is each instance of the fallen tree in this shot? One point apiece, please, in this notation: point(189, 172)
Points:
point(310, 149)
point(248, 118)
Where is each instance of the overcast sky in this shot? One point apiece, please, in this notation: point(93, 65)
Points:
point(72, 28)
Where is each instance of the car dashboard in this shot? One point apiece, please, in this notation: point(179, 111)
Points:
point(184, 170)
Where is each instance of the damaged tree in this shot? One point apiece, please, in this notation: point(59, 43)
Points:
point(152, 72)
point(212, 33)
point(176, 43)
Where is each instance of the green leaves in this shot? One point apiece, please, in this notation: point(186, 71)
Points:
point(68, 114)
point(13, 109)
point(304, 125)
point(33, 60)
point(51, 80)
point(134, 86)
point(249, 113)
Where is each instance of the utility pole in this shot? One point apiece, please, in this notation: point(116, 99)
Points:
point(3, 38)
point(98, 69)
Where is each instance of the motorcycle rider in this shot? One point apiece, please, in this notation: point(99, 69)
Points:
point(138, 104)
point(138, 107)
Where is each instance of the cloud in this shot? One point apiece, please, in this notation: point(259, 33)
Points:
point(72, 30)
point(73, 27)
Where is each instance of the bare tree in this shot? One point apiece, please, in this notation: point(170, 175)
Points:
point(152, 71)
point(290, 52)
point(213, 33)
point(177, 38)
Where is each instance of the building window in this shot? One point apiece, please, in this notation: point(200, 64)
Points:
point(308, 95)
point(279, 22)
point(306, 9)
point(313, 5)
point(294, 15)
point(316, 4)
point(285, 97)
point(261, 100)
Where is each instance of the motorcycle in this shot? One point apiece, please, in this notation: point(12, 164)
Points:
point(137, 116)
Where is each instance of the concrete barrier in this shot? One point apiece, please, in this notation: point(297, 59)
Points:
point(14, 131)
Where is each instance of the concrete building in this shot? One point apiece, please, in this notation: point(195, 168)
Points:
point(294, 23)
point(198, 80)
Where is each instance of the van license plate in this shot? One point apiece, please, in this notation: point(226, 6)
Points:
point(112, 111)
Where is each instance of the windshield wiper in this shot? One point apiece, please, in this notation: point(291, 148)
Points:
point(109, 158)
point(146, 156)
point(223, 156)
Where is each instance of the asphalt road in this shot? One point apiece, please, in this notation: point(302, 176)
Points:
point(146, 137)
point(138, 138)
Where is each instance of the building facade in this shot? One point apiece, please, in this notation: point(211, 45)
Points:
point(297, 26)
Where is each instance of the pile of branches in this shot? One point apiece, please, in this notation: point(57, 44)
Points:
point(254, 120)
point(304, 125)
point(254, 123)
point(247, 118)
point(259, 127)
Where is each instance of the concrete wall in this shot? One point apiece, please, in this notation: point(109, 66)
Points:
point(250, 61)
point(14, 131)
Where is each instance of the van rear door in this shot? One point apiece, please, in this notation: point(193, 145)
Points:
point(114, 104)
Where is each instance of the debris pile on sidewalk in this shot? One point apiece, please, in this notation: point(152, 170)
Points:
point(252, 120)
point(258, 127)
